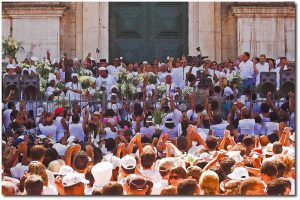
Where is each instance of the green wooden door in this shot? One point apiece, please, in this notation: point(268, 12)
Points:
point(144, 31)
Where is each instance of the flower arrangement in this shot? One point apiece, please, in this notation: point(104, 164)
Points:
point(85, 72)
point(152, 78)
point(161, 90)
point(59, 85)
point(24, 65)
point(43, 69)
point(235, 78)
point(187, 90)
point(85, 81)
point(43, 85)
point(127, 89)
point(189, 158)
point(10, 47)
point(158, 116)
point(61, 101)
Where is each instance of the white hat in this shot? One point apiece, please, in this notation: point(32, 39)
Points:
point(55, 165)
point(102, 173)
point(235, 155)
point(60, 148)
point(39, 111)
point(72, 179)
point(10, 66)
point(75, 59)
point(64, 170)
point(113, 86)
point(116, 162)
point(161, 64)
point(75, 74)
point(239, 173)
point(18, 171)
point(71, 139)
point(145, 62)
point(101, 68)
point(195, 150)
point(34, 58)
point(42, 136)
point(128, 162)
point(268, 150)
point(228, 91)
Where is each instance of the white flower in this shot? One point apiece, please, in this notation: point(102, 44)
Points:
point(129, 76)
point(187, 90)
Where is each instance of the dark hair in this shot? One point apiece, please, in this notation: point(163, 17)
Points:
point(199, 108)
point(37, 152)
point(277, 147)
point(285, 106)
point(88, 175)
point(112, 188)
point(247, 54)
point(200, 164)
point(258, 119)
point(179, 171)
point(206, 123)
point(80, 160)
point(187, 187)
point(195, 172)
point(10, 105)
point(182, 143)
point(146, 139)
point(191, 77)
point(214, 105)
point(110, 144)
point(211, 142)
point(278, 186)
point(75, 118)
point(34, 185)
point(249, 184)
point(264, 108)
point(217, 89)
point(273, 117)
point(50, 155)
point(109, 112)
point(97, 155)
point(269, 168)
point(247, 114)
point(147, 159)
point(248, 141)
point(226, 164)
point(281, 167)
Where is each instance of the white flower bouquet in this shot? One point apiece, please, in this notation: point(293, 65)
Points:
point(43, 69)
point(85, 72)
point(10, 47)
point(161, 89)
point(187, 90)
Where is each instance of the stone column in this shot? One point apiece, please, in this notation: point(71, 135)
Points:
point(205, 29)
point(95, 29)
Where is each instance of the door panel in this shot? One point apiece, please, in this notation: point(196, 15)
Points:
point(144, 31)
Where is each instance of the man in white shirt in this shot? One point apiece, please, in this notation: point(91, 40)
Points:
point(6, 114)
point(262, 66)
point(282, 66)
point(247, 71)
point(105, 80)
point(115, 67)
point(74, 88)
point(179, 74)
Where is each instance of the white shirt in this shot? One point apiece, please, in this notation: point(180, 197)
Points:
point(179, 76)
point(157, 188)
point(49, 91)
point(49, 190)
point(49, 131)
point(218, 129)
point(271, 127)
point(106, 82)
point(153, 174)
point(261, 68)
point(75, 86)
point(60, 129)
point(162, 76)
point(246, 69)
point(277, 70)
point(247, 126)
point(77, 131)
point(175, 115)
point(112, 70)
point(6, 116)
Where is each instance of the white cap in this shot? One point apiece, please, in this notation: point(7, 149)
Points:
point(145, 62)
point(18, 171)
point(235, 155)
point(75, 59)
point(228, 91)
point(116, 162)
point(195, 150)
point(71, 139)
point(72, 179)
point(60, 148)
point(64, 170)
point(239, 173)
point(101, 68)
point(39, 111)
point(75, 74)
point(10, 66)
point(102, 173)
point(268, 150)
point(55, 165)
point(128, 162)
point(34, 58)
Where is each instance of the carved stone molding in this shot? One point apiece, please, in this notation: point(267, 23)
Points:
point(34, 12)
point(262, 12)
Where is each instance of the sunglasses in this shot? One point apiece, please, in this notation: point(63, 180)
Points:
point(175, 177)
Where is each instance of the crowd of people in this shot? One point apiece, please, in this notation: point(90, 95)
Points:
point(209, 132)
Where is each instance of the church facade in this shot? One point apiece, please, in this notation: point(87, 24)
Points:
point(143, 31)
